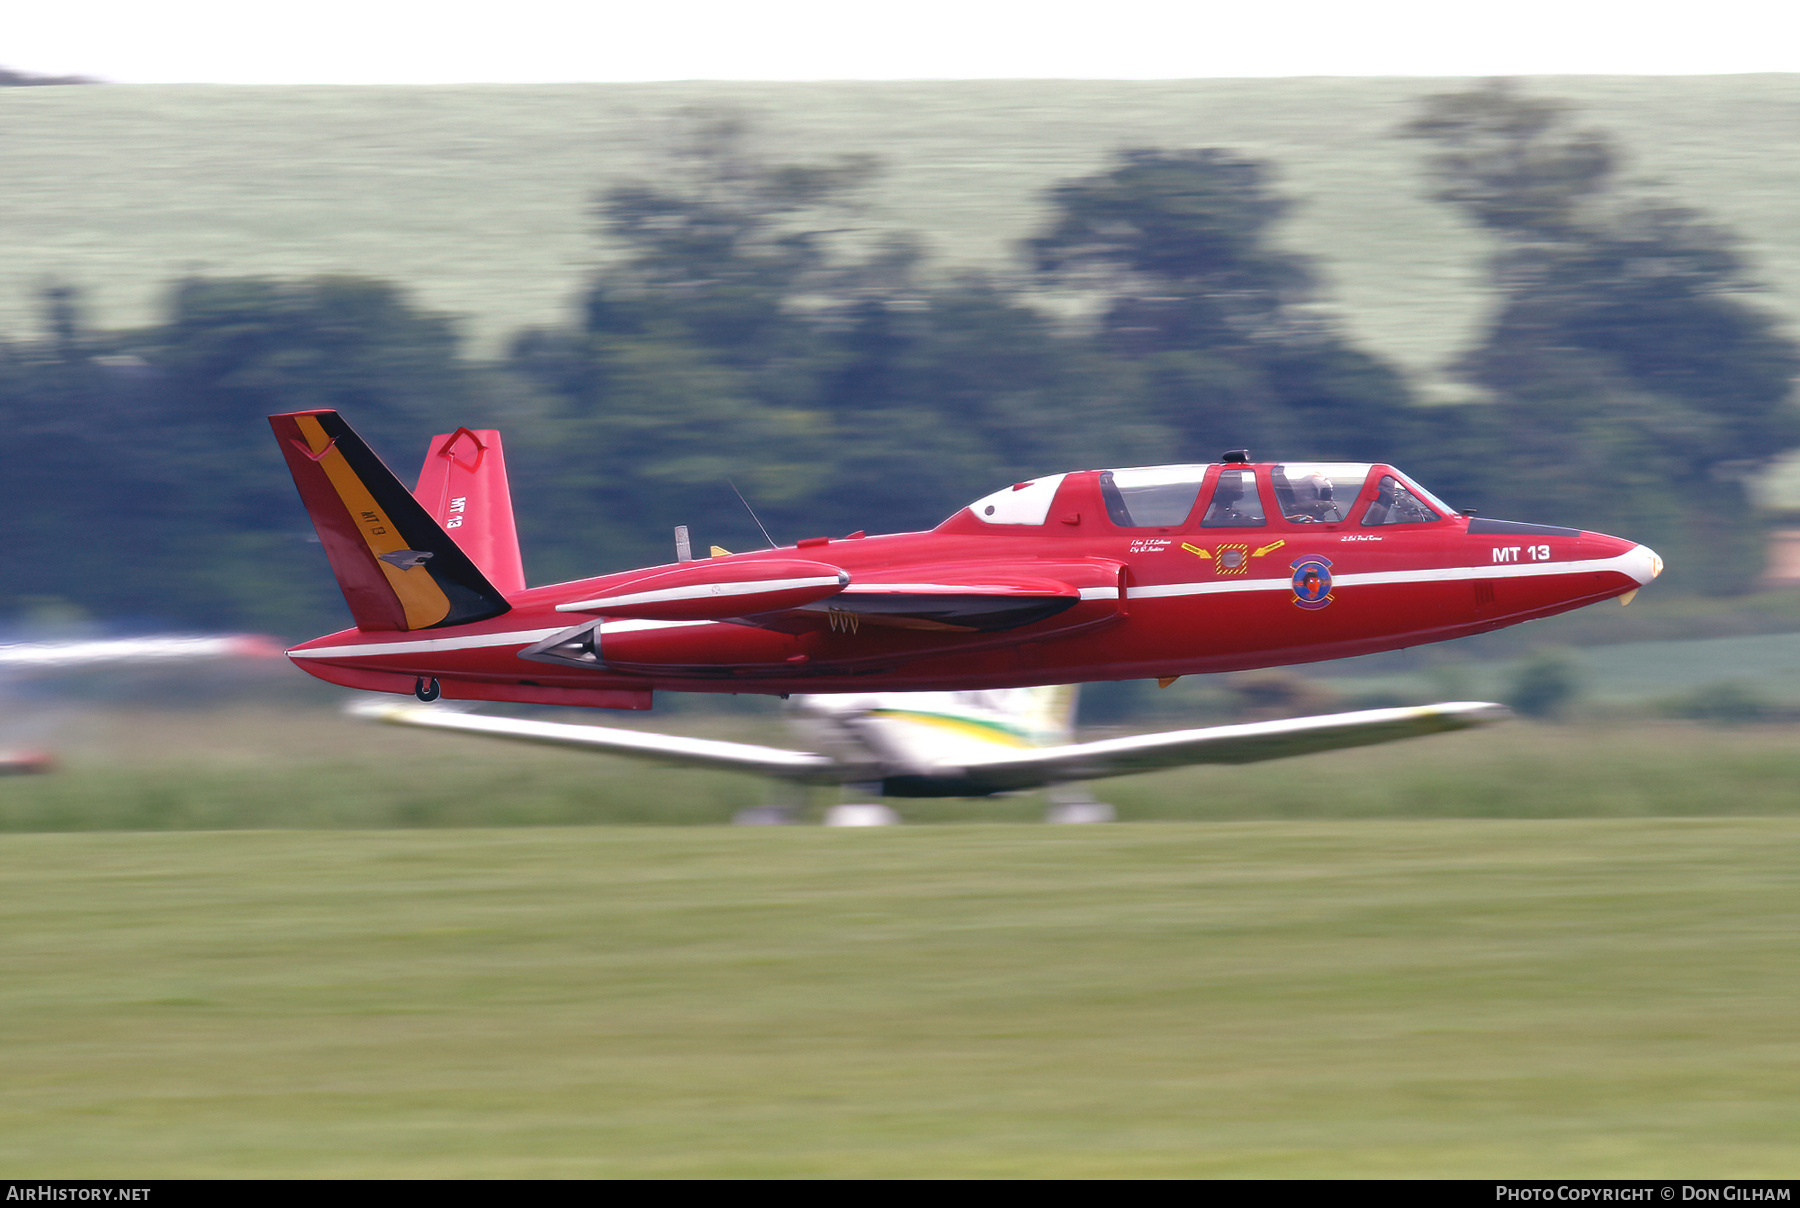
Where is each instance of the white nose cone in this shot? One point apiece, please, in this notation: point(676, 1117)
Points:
point(1642, 563)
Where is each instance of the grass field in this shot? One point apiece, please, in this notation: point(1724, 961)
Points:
point(1609, 998)
point(478, 197)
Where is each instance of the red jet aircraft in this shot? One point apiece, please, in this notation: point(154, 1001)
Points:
point(1139, 573)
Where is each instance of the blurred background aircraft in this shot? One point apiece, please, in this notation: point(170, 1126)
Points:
point(20, 737)
point(955, 744)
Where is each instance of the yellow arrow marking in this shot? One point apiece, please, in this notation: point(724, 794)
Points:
point(1268, 549)
point(1195, 550)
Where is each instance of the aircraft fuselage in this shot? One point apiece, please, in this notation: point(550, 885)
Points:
point(1136, 601)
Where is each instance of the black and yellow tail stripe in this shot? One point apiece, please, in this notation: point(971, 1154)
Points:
point(397, 567)
point(424, 602)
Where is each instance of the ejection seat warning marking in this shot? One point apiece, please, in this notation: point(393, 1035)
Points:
point(1231, 558)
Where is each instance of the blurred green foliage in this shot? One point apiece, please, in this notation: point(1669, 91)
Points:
point(1726, 702)
point(754, 327)
point(1633, 384)
point(1545, 684)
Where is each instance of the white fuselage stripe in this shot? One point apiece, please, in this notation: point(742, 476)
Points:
point(1623, 564)
point(480, 641)
point(1442, 574)
point(965, 589)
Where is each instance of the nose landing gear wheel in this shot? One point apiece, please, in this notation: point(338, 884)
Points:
point(426, 692)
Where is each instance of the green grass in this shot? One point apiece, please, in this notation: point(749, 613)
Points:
point(1414, 998)
point(478, 196)
point(257, 768)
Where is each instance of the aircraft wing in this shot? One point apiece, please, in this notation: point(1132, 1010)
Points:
point(777, 762)
point(1249, 743)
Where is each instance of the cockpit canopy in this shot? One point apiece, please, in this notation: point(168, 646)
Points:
point(1233, 495)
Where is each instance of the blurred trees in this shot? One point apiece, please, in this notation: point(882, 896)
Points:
point(1210, 323)
point(1180, 243)
point(1545, 684)
point(699, 354)
point(232, 352)
point(1634, 384)
point(10, 78)
point(751, 325)
point(78, 507)
point(139, 477)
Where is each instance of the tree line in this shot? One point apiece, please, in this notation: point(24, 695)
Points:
point(751, 334)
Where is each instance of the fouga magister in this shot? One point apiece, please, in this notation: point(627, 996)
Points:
point(1140, 573)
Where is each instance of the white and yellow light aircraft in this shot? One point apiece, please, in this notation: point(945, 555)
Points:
point(957, 744)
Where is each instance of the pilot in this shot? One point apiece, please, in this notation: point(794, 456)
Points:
point(1394, 504)
point(1312, 500)
point(1224, 512)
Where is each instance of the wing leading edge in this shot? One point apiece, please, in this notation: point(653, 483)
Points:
point(1004, 771)
point(1248, 743)
point(777, 762)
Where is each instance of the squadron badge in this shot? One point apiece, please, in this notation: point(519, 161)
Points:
point(1312, 582)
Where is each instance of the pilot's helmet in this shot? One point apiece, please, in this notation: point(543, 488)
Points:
point(1309, 488)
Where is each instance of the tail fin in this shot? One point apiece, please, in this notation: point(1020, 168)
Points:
point(463, 486)
point(1049, 711)
point(397, 567)
point(1044, 716)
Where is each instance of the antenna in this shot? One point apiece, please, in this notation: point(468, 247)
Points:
point(751, 510)
point(684, 549)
